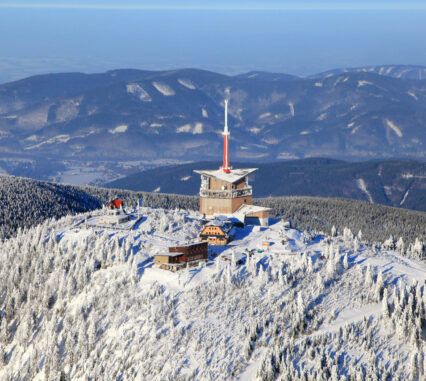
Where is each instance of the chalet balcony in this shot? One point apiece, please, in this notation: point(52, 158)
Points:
point(229, 193)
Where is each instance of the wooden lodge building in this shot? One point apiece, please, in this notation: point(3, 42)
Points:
point(217, 232)
point(227, 191)
point(179, 256)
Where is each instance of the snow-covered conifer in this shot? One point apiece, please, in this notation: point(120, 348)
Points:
point(414, 368)
point(400, 245)
point(347, 234)
point(385, 305)
point(92, 334)
point(3, 356)
point(356, 245)
point(310, 266)
point(4, 332)
point(331, 269)
point(345, 262)
point(319, 282)
point(380, 285)
point(369, 281)
point(419, 249)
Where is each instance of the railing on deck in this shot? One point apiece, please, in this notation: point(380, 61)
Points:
point(233, 193)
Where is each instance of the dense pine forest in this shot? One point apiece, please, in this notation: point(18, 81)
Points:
point(25, 202)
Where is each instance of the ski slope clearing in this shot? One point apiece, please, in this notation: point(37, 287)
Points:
point(361, 185)
point(138, 91)
point(187, 83)
point(164, 89)
point(83, 302)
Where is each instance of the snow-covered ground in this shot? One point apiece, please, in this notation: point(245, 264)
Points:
point(187, 83)
point(89, 303)
point(361, 185)
point(137, 90)
point(164, 89)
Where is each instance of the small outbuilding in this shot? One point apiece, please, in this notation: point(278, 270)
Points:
point(114, 213)
point(115, 204)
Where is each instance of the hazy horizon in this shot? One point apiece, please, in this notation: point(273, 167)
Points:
point(235, 37)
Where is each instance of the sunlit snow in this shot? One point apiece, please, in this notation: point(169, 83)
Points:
point(164, 89)
point(137, 90)
point(187, 83)
point(394, 127)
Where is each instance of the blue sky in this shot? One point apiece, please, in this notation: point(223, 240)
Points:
point(298, 37)
point(221, 4)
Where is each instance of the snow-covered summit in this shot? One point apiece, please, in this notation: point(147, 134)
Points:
point(88, 303)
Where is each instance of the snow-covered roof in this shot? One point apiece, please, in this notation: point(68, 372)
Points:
point(225, 226)
point(246, 210)
point(167, 254)
point(249, 209)
point(215, 223)
point(188, 244)
point(233, 176)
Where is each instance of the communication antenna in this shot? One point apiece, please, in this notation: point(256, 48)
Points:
point(226, 135)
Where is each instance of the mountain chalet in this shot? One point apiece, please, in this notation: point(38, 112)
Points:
point(217, 232)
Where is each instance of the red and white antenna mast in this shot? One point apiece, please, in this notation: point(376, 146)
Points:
point(226, 134)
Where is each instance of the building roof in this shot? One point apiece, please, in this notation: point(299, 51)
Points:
point(233, 176)
point(246, 210)
point(224, 225)
point(215, 223)
point(250, 209)
point(188, 244)
point(167, 254)
point(115, 204)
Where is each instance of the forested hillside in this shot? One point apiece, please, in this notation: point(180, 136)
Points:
point(399, 183)
point(26, 202)
point(377, 223)
point(84, 303)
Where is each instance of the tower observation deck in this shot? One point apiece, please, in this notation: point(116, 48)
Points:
point(227, 190)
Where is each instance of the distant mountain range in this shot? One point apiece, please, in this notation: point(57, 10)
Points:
point(124, 115)
point(396, 71)
point(399, 183)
